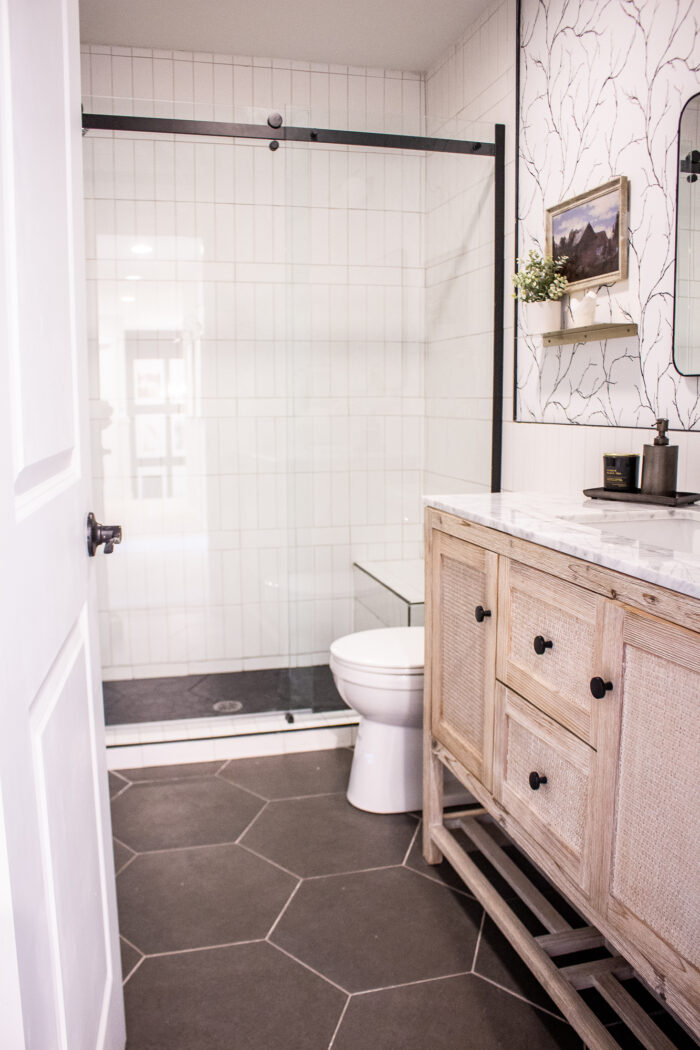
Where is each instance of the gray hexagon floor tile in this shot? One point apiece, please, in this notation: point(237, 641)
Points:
point(373, 929)
point(290, 776)
point(195, 812)
point(263, 1000)
point(193, 898)
point(460, 1013)
point(325, 835)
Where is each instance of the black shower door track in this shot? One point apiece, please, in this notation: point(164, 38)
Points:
point(326, 136)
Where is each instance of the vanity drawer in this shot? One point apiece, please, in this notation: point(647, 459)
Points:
point(543, 776)
point(549, 644)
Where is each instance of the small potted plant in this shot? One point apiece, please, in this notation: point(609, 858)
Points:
point(540, 284)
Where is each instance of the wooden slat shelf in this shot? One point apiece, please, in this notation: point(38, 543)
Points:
point(589, 333)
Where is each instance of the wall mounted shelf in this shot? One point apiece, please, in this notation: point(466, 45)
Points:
point(589, 333)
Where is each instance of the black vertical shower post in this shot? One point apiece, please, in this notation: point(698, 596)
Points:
point(498, 296)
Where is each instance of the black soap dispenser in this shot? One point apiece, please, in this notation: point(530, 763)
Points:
point(660, 464)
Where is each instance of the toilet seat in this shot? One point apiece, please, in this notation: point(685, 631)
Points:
point(385, 651)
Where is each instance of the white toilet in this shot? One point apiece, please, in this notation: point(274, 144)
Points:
point(380, 675)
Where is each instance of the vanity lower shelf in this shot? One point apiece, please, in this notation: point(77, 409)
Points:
point(589, 333)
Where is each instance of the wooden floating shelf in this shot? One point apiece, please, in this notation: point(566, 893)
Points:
point(589, 333)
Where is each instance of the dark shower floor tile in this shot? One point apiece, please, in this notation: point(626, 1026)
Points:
point(291, 776)
point(380, 959)
point(217, 695)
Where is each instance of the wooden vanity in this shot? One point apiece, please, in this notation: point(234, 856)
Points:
point(566, 697)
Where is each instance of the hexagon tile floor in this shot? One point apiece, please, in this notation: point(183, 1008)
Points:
point(260, 911)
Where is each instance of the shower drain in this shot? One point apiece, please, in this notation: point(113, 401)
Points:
point(228, 707)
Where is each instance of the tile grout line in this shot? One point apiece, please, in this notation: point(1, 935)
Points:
point(174, 849)
point(131, 944)
point(350, 871)
point(410, 845)
point(289, 900)
point(132, 971)
point(409, 984)
point(520, 996)
point(250, 823)
point(267, 860)
point(441, 882)
point(126, 864)
point(478, 939)
point(309, 968)
point(340, 1021)
point(202, 948)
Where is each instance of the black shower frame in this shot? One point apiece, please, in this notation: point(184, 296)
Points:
point(327, 136)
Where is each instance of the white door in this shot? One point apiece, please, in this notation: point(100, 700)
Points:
point(60, 983)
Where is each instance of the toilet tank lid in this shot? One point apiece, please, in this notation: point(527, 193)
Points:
point(389, 648)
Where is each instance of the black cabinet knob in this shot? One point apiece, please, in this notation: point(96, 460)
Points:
point(599, 688)
point(540, 645)
point(535, 780)
point(481, 613)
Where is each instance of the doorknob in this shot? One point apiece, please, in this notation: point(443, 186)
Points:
point(97, 534)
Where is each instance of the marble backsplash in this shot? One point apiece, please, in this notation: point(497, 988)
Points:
point(602, 86)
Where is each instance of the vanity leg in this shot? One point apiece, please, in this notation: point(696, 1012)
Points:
point(433, 778)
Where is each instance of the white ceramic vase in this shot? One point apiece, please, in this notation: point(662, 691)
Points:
point(542, 317)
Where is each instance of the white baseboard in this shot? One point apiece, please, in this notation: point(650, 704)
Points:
point(283, 742)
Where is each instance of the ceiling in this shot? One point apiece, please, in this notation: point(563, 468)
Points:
point(391, 34)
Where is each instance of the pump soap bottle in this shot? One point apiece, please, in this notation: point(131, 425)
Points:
point(660, 464)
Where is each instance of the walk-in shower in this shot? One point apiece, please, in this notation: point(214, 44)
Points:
point(268, 309)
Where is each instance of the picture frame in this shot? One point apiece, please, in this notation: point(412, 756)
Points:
point(592, 230)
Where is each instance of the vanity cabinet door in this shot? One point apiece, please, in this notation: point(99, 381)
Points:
point(550, 645)
point(653, 825)
point(462, 650)
point(544, 776)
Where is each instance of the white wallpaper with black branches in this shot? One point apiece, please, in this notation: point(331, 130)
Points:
point(602, 86)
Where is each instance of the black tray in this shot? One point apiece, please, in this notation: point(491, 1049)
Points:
point(681, 499)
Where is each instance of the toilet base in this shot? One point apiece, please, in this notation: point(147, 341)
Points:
point(387, 770)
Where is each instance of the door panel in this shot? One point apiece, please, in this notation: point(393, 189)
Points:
point(59, 962)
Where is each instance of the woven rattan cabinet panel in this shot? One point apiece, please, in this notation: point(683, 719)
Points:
point(654, 891)
point(563, 620)
point(463, 651)
point(554, 813)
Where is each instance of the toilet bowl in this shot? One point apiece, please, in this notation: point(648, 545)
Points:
point(380, 675)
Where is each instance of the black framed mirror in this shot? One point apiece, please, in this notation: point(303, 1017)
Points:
point(686, 313)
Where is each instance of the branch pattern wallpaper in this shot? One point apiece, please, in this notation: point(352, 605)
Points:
point(607, 79)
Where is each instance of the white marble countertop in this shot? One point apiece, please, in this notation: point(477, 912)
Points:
point(546, 520)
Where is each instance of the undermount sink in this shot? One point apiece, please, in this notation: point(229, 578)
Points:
point(673, 530)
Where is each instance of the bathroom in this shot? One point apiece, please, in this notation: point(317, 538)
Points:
point(286, 350)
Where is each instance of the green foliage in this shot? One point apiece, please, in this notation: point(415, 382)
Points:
point(539, 278)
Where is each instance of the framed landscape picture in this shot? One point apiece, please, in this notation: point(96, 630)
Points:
point(591, 230)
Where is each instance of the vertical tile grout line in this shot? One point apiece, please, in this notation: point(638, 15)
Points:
point(410, 845)
point(340, 1021)
point(478, 940)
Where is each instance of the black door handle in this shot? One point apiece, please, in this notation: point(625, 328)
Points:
point(98, 534)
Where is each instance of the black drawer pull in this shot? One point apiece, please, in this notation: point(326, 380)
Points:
point(481, 613)
point(540, 645)
point(599, 688)
point(535, 781)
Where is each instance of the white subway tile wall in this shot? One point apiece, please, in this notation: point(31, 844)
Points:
point(469, 90)
point(256, 351)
